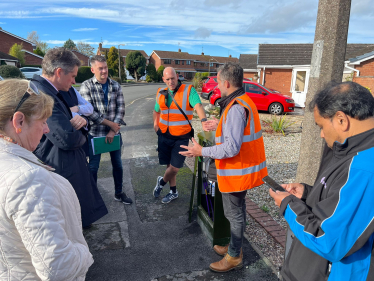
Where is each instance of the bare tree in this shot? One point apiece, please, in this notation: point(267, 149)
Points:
point(85, 48)
point(33, 36)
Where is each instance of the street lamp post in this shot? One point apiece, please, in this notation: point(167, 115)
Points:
point(209, 65)
point(119, 62)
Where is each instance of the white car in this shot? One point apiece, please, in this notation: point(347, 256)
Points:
point(30, 71)
point(1, 78)
point(181, 77)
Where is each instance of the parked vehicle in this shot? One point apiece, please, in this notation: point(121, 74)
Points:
point(181, 77)
point(1, 78)
point(30, 71)
point(209, 85)
point(264, 98)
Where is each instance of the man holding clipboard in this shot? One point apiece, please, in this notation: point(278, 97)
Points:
point(106, 97)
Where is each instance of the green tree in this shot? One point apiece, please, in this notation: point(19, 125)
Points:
point(16, 51)
point(112, 62)
point(39, 52)
point(160, 72)
point(135, 64)
point(152, 73)
point(69, 44)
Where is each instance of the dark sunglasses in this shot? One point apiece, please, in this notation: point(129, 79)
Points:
point(31, 90)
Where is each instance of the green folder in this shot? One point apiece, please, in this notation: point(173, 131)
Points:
point(99, 146)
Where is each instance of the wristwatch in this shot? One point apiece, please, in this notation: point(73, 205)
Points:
point(203, 120)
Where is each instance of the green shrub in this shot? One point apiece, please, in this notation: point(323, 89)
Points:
point(280, 125)
point(148, 79)
point(160, 72)
point(9, 71)
point(84, 73)
point(201, 75)
point(152, 73)
point(116, 78)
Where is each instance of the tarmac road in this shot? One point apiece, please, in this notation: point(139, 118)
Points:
point(149, 240)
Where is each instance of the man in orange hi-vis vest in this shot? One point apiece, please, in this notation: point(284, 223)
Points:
point(239, 154)
point(173, 129)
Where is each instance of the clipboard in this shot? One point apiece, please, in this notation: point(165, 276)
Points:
point(99, 146)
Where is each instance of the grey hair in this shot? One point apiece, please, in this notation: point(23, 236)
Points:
point(97, 58)
point(59, 58)
point(231, 72)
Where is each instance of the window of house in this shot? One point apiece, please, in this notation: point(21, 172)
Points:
point(202, 64)
point(188, 62)
point(176, 61)
point(168, 61)
point(217, 65)
point(211, 64)
point(182, 62)
point(195, 63)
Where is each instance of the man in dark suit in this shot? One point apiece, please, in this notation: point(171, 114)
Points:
point(62, 148)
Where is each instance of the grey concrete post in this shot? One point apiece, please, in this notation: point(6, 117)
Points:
point(327, 65)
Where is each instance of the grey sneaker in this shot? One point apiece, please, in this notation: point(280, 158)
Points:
point(123, 198)
point(158, 188)
point(170, 196)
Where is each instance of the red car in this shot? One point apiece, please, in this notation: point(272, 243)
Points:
point(264, 98)
point(209, 86)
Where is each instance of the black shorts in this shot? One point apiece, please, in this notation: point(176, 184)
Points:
point(168, 151)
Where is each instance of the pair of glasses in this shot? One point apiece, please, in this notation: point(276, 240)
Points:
point(31, 90)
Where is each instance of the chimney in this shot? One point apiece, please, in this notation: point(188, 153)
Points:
point(202, 54)
point(229, 56)
point(179, 50)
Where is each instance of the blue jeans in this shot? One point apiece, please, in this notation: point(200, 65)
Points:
point(234, 208)
point(115, 157)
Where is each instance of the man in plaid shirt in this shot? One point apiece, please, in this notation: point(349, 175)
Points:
point(106, 97)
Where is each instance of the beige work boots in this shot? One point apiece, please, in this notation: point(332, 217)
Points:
point(221, 250)
point(228, 263)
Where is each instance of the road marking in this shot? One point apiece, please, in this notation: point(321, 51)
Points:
point(138, 99)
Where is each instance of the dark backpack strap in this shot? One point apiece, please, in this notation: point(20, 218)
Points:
point(185, 116)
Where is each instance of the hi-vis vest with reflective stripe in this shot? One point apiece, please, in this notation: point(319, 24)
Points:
point(171, 117)
point(245, 170)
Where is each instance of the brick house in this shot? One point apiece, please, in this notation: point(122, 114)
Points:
point(85, 60)
point(188, 64)
point(286, 67)
point(8, 59)
point(101, 52)
point(7, 40)
point(249, 65)
point(363, 72)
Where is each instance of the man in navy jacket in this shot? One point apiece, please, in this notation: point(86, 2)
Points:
point(333, 220)
point(62, 148)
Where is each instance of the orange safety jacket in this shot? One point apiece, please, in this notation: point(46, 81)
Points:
point(171, 118)
point(246, 169)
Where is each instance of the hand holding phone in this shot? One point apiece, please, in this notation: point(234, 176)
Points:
point(273, 184)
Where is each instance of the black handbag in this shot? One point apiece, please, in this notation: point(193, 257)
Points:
point(192, 133)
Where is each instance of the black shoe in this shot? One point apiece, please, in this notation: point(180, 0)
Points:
point(123, 198)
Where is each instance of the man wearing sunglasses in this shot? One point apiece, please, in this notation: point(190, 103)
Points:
point(62, 148)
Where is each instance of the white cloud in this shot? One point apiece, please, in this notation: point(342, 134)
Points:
point(2, 22)
point(85, 29)
point(202, 32)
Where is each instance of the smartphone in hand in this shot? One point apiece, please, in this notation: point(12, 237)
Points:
point(273, 184)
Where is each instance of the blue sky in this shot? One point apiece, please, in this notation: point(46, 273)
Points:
point(219, 27)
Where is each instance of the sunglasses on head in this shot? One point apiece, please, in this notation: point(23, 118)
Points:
point(31, 90)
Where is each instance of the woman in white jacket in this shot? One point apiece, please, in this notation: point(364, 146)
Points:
point(40, 220)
